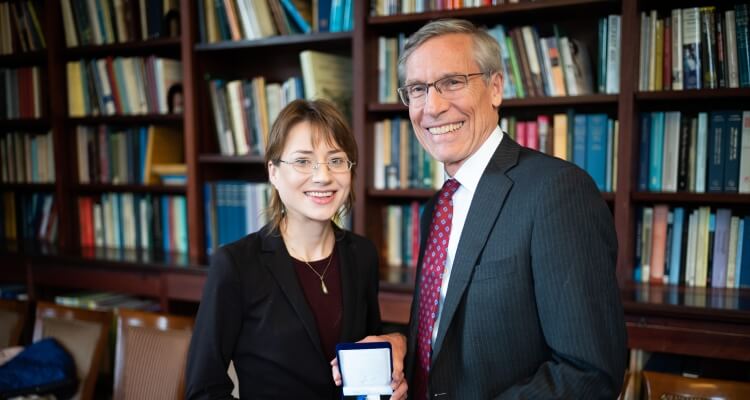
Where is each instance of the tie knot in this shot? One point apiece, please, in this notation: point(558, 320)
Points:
point(449, 188)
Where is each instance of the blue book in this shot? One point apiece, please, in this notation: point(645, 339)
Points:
point(120, 83)
point(180, 223)
point(579, 140)
point(208, 214)
point(337, 16)
point(202, 23)
point(596, 148)
point(678, 218)
point(743, 43)
point(323, 15)
point(656, 155)
point(732, 149)
point(166, 232)
point(349, 15)
point(744, 265)
point(295, 16)
point(645, 143)
point(715, 166)
point(143, 135)
point(116, 199)
point(221, 19)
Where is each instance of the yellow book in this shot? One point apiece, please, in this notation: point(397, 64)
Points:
point(165, 146)
point(560, 136)
point(75, 90)
point(659, 60)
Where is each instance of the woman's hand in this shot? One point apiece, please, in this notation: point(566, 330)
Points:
point(398, 347)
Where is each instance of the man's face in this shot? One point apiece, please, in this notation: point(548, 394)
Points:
point(452, 130)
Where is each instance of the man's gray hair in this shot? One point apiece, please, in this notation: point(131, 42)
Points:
point(486, 50)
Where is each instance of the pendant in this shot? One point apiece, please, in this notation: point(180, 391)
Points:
point(323, 286)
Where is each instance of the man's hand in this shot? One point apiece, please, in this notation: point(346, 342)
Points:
point(398, 347)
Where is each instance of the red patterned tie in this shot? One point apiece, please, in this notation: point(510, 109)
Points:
point(430, 280)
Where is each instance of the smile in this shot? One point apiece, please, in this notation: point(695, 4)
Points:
point(319, 194)
point(443, 129)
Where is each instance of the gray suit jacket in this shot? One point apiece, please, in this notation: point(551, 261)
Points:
point(532, 309)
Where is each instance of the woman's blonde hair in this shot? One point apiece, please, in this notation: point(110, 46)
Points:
point(327, 124)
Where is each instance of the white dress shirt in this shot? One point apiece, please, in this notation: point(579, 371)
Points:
point(468, 176)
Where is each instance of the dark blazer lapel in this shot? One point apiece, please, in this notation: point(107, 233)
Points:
point(349, 285)
point(485, 206)
point(279, 263)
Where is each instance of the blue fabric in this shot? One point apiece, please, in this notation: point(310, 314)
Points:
point(44, 367)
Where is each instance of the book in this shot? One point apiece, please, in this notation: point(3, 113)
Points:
point(328, 76)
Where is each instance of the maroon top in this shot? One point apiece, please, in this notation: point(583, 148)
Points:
point(326, 308)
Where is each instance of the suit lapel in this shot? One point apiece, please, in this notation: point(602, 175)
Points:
point(485, 206)
point(348, 283)
point(279, 263)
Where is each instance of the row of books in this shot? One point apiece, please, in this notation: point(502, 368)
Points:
point(105, 301)
point(394, 7)
point(400, 161)
point(122, 86)
point(28, 216)
point(707, 152)
point(98, 22)
point(248, 20)
point(111, 154)
point(13, 292)
point(134, 221)
point(694, 247)
point(20, 30)
point(233, 209)
point(588, 140)
point(244, 110)
point(695, 48)
point(20, 93)
point(401, 234)
point(557, 65)
point(27, 158)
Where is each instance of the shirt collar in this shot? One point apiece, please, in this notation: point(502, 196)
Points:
point(470, 172)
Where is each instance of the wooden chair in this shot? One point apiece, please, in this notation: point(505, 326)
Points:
point(151, 355)
point(84, 333)
point(660, 386)
point(13, 314)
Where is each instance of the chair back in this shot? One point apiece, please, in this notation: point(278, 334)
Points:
point(660, 386)
point(84, 333)
point(151, 355)
point(12, 320)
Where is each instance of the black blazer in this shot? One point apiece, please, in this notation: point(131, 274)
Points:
point(532, 309)
point(254, 312)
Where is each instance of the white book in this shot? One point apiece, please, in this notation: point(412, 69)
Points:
point(700, 153)
point(273, 101)
point(144, 214)
point(644, 56)
point(98, 227)
point(233, 90)
point(613, 54)
point(691, 48)
point(547, 69)
point(568, 67)
point(104, 84)
point(382, 83)
point(108, 220)
point(69, 26)
point(671, 151)
point(653, 20)
point(265, 19)
point(249, 29)
point(730, 30)
point(701, 262)
point(128, 221)
point(532, 54)
point(646, 241)
point(745, 154)
point(677, 49)
point(122, 30)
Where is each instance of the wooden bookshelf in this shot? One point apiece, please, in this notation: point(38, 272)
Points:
point(146, 119)
point(92, 188)
point(162, 46)
point(24, 124)
point(27, 187)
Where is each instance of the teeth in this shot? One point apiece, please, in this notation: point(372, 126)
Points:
point(319, 194)
point(440, 130)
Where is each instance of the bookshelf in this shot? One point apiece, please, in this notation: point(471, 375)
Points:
point(666, 319)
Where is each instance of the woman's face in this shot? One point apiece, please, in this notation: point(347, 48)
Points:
point(315, 195)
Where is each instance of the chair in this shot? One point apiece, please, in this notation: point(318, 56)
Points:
point(12, 320)
point(84, 333)
point(660, 386)
point(151, 355)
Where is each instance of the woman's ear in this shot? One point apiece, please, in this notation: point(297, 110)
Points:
point(272, 173)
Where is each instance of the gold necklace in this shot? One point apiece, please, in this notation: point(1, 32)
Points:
point(323, 275)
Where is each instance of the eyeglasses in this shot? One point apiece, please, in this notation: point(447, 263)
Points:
point(449, 88)
point(307, 166)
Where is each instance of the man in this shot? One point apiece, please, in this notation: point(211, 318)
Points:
point(516, 295)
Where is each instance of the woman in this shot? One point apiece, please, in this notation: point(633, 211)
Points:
point(277, 301)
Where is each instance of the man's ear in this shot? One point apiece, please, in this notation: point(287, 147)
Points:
point(496, 87)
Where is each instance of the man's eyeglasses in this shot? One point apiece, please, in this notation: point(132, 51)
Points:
point(449, 88)
point(307, 166)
